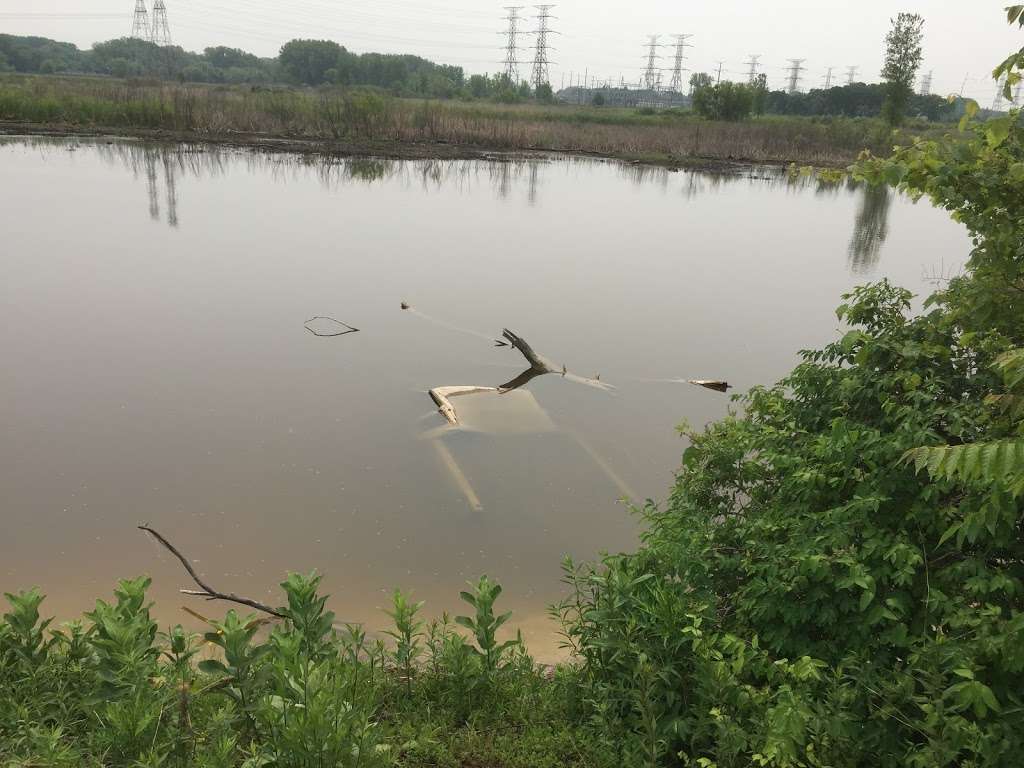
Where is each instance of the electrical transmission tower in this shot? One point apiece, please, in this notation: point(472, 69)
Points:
point(511, 50)
point(997, 102)
point(140, 22)
point(161, 34)
point(540, 58)
point(1016, 95)
point(926, 84)
point(827, 77)
point(752, 63)
point(851, 73)
point(677, 70)
point(651, 73)
point(796, 66)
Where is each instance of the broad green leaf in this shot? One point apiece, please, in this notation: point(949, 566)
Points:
point(997, 130)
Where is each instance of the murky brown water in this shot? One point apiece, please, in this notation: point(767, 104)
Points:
point(156, 368)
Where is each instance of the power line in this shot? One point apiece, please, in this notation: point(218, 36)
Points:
point(677, 70)
point(511, 58)
point(796, 66)
point(541, 75)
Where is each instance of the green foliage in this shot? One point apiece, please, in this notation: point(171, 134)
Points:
point(902, 60)
point(407, 635)
point(725, 101)
point(485, 625)
point(806, 597)
point(114, 692)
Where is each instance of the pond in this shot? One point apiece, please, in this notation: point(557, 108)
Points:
point(158, 366)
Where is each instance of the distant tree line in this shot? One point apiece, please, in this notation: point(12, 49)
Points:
point(301, 62)
point(738, 101)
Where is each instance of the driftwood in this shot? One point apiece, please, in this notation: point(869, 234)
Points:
point(540, 365)
point(207, 591)
point(715, 384)
point(440, 396)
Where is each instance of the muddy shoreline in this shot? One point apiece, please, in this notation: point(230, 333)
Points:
point(394, 150)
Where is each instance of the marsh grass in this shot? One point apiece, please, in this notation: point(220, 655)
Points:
point(369, 116)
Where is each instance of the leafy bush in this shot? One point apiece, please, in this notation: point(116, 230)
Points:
point(807, 597)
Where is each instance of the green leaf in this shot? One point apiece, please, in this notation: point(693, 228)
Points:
point(1017, 172)
point(213, 667)
point(996, 131)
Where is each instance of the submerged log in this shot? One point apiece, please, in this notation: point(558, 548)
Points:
point(440, 396)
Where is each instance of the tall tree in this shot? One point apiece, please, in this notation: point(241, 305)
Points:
point(699, 80)
point(902, 60)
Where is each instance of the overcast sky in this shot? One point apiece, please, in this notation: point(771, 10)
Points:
point(606, 38)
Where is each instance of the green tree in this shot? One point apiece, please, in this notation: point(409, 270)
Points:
point(700, 80)
point(544, 94)
point(902, 60)
point(725, 101)
point(307, 61)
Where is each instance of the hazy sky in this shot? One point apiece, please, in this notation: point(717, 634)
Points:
point(601, 37)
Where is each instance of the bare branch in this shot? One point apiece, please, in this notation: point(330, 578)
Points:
point(348, 328)
point(207, 591)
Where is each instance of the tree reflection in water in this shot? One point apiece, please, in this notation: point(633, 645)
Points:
point(870, 228)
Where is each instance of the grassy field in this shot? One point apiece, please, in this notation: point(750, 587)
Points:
point(367, 119)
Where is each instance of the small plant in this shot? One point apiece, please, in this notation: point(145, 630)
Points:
point(485, 625)
point(407, 634)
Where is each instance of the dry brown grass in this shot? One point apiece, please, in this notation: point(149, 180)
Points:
point(359, 115)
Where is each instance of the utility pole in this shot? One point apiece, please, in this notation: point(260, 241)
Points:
point(718, 77)
point(540, 57)
point(796, 66)
point(851, 74)
point(140, 22)
point(651, 73)
point(677, 70)
point(926, 84)
point(752, 63)
point(828, 78)
point(511, 50)
point(161, 29)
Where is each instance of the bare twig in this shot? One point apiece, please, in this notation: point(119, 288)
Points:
point(348, 328)
point(207, 591)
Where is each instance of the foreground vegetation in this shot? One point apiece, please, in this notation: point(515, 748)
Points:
point(367, 118)
point(837, 580)
point(114, 691)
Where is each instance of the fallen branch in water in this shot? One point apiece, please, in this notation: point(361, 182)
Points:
point(715, 384)
point(348, 328)
point(540, 365)
point(207, 591)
